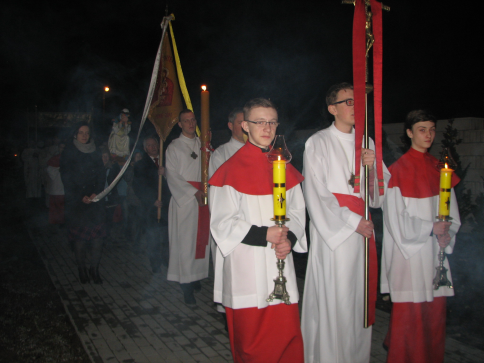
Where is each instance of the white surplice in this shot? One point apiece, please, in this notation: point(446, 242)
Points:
point(410, 251)
point(181, 168)
point(332, 314)
point(244, 274)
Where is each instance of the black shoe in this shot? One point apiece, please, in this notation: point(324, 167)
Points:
point(95, 275)
point(83, 275)
point(197, 286)
point(189, 298)
point(188, 293)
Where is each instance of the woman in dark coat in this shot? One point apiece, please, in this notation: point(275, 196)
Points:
point(83, 175)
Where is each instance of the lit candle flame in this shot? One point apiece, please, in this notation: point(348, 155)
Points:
point(204, 87)
point(106, 89)
point(446, 166)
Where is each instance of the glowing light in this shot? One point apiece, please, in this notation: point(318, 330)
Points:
point(446, 166)
point(106, 89)
point(204, 88)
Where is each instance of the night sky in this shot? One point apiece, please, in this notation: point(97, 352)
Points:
point(58, 55)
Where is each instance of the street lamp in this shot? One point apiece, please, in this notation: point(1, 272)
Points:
point(106, 90)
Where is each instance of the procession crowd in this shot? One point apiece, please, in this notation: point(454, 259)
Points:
point(165, 203)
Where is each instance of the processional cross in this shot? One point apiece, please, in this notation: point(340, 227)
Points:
point(359, 56)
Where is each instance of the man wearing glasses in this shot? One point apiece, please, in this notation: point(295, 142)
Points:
point(332, 315)
point(249, 244)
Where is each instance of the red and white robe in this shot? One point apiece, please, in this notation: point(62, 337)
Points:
point(241, 197)
point(410, 256)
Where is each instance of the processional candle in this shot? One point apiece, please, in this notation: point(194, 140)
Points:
point(444, 194)
point(205, 137)
point(279, 190)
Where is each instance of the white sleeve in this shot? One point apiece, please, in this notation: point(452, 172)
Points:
point(296, 212)
point(333, 223)
point(227, 223)
point(410, 233)
point(181, 191)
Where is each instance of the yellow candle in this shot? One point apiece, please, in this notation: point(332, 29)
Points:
point(279, 191)
point(444, 195)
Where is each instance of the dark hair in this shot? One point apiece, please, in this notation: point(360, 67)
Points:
point(185, 110)
point(233, 114)
point(332, 93)
point(77, 126)
point(257, 102)
point(154, 137)
point(412, 118)
point(105, 150)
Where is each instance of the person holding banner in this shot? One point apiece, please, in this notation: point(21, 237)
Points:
point(145, 186)
point(249, 244)
point(333, 303)
point(411, 242)
point(188, 216)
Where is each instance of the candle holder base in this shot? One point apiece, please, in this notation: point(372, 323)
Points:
point(280, 291)
point(440, 278)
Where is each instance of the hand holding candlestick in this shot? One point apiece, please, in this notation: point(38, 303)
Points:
point(447, 166)
point(279, 156)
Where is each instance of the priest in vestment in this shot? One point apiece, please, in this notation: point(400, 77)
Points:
point(249, 244)
point(411, 243)
point(332, 314)
point(188, 219)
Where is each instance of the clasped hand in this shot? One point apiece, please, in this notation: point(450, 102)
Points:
point(441, 230)
point(278, 237)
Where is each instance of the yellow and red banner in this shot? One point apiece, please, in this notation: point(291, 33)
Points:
point(166, 103)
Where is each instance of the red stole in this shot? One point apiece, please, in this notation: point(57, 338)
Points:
point(203, 228)
point(357, 205)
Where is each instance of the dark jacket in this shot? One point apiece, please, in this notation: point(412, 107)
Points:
point(82, 174)
point(145, 186)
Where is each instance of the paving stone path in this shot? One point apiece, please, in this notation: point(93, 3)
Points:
point(138, 316)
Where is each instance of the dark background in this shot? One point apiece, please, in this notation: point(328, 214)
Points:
point(59, 55)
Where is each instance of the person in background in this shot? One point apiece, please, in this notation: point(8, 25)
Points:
point(55, 189)
point(136, 219)
point(84, 176)
point(145, 185)
point(188, 227)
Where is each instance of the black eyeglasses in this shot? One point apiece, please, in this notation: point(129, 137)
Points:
point(349, 102)
point(264, 123)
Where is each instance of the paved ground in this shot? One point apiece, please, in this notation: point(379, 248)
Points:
point(138, 316)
